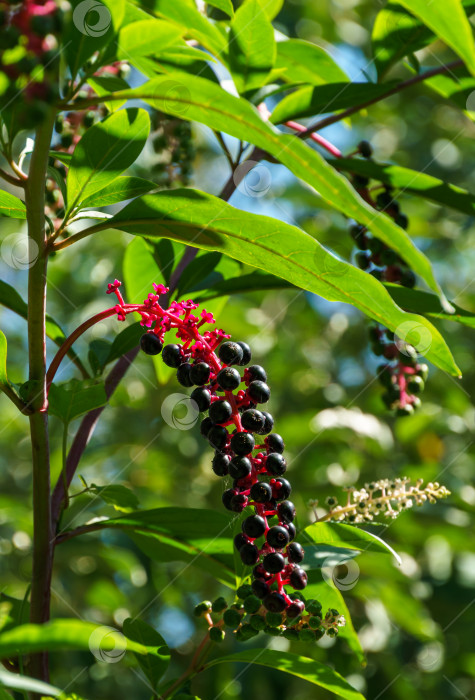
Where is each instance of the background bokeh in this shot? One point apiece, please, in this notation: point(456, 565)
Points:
point(415, 621)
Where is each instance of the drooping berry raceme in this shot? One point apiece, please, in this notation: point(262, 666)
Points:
point(237, 427)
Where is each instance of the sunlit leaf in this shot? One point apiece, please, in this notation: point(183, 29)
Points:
point(251, 46)
point(153, 666)
point(304, 62)
point(11, 206)
point(72, 399)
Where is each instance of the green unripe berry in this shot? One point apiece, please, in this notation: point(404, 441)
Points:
point(423, 371)
point(273, 619)
point(319, 634)
point(291, 635)
point(248, 631)
point(313, 607)
point(252, 604)
point(258, 622)
point(244, 591)
point(273, 631)
point(219, 605)
point(307, 636)
point(231, 618)
point(406, 410)
point(314, 622)
point(202, 608)
point(216, 634)
point(332, 632)
point(415, 384)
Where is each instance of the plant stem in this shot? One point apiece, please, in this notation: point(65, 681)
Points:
point(192, 670)
point(42, 533)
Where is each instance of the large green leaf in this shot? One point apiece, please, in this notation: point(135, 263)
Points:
point(449, 22)
point(311, 101)
point(32, 685)
point(146, 38)
point(251, 50)
point(277, 247)
point(304, 62)
point(223, 5)
point(347, 536)
point(120, 189)
point(254, 281)
point(458, 86)
point(412, 181)
point(153, 666)
point(105, 151)
point(301, 666)
point(140, 271)
point(206, 102)
point(104, 84)
point(73, 399)
point(11, 206)
point(428, 304)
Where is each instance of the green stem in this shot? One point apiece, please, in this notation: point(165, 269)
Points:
point(42, 530)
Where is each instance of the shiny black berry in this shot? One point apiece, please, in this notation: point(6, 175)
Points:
point(240, 540)
point(249, 554)
point(238, 503)
point(256, 372)
point(228, 379)
point(276, 464)
point(151, 344)
point(171, 355)
point(220, 464)
point(183, 374)
point(295, 609)
point(261, 492)
point(365, 149)
point(295, 553)
point(253, 420)
point(199, 373)
point(217, 436)
point(268, 424)
point(230, 353)
point(240, 467)
point(242, 443)
point(220, 411)
point(298, 579)
point(258, 392)
point(202, 398)
point(205, 427)
point(275, 443)
point(246, 353)
point(274, 602)
point(227, 498)
point(286, 511)
point(273, 562)
point(291, 529)
point(254, 526)
point(281, 489)
point(277, 537)
point(260, 588)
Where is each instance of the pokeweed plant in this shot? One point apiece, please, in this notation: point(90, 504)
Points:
point(67, 136)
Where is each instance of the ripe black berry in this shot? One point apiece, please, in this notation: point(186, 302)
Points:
point(415, 384)
point(220, 464)
point(202, 397)
point(228, 378)
point(199, 373)
point(238, 503)
point(276, 464)
point(230, 353)
point(151, 344)
point(258, 392)
point(274, 562)
point(365, 149)
point(295, 553)
point(171, 355)
point(183, 374)
point(295, 609)
point(260, 588)
point(298, 579)
point(217, 436)
point(249, 554)
point(281, 488)
point(240, 540)
point(275, 443)
point(253, 420)
point(227, 497)
point(286, 511)
point(268, 425)
point(254, 526)
point(259, 572)
point(246, 353)
point(240, 467)
point(205, 427)
point(255, 372)
point(274, 602)
point(291, 529)
point(242, 443)
point(261, 492)
point(277, 536)
point(220, 411)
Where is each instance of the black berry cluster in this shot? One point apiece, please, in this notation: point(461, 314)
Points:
point(172, 142)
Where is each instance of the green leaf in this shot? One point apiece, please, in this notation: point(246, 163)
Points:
point(251, 46)
point(206, 102)
point(61, 635)
point(254, 281)
point(223, 5)
point(121, 188)
point(11, 206)
point(199, 268)
point(153, 666)
point(90, 29)
point(301, 666)
point(195, 536)
point(428, 304)
point(304, 62)
point(64, 158)
point(140, 271)
point(458, 87)
point(311, 101)
point(146, 38)
point(123, 342)
point(412, 181)
point(75, 398)
point(32, 685)
point(116, 495)
point(186, 15)
point(348, 536)
point(279, 248)
point(104, 84)
point(449, 22)
point(105, 151)
point(3, 359)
